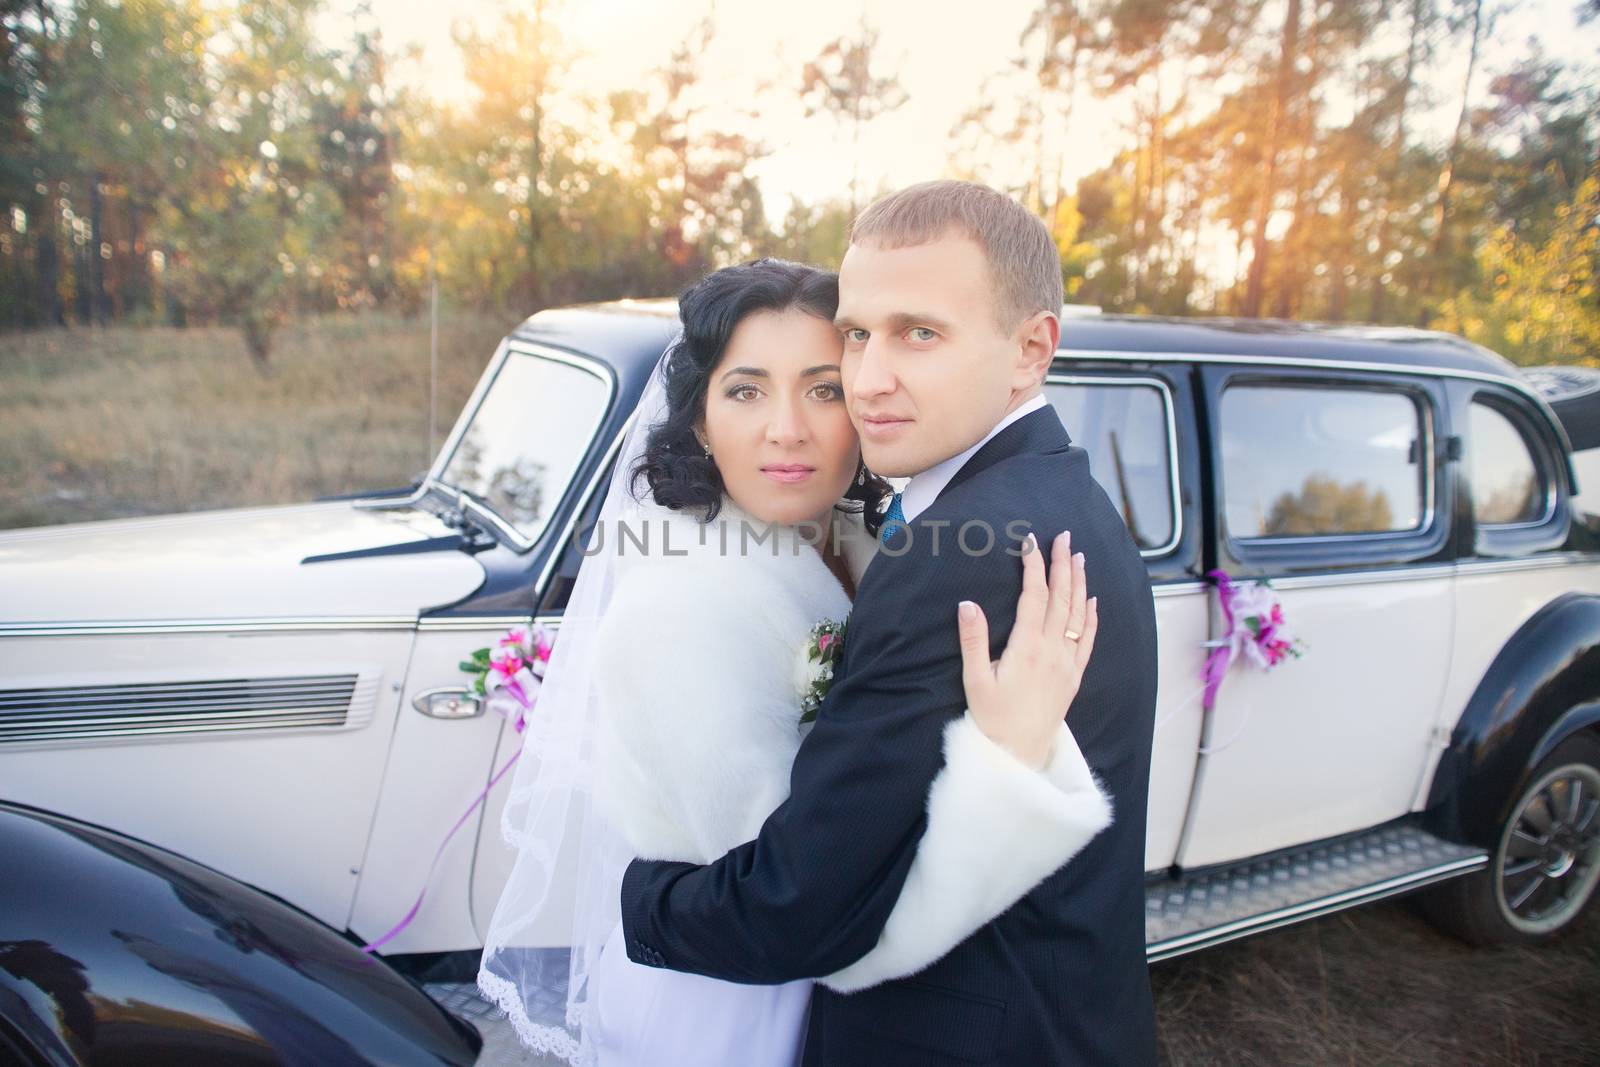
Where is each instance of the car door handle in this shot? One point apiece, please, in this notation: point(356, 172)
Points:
point(448, 702)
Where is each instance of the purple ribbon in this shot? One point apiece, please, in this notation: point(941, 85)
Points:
point(1218, 661)
point(412, 914)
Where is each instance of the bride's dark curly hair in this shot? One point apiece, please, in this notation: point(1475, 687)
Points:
point(680, 475)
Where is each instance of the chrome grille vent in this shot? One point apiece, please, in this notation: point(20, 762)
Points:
point(134, 709)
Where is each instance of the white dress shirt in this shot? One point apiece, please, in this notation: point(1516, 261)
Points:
point(923, 489)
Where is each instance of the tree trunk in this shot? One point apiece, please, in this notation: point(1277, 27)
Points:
point(1066, 126)
point(1235, 301)
point(1339, 288)
point(1441, 213)
point(1156, 229)
point(47, 262)
point(1137, 207)
point(1386, 206)
point(536, 168)
point(98, 304)
point(1255, 286)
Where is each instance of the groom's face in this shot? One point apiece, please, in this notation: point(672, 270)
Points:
point(928, 368)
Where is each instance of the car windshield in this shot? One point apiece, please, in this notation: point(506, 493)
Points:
point(527, 437)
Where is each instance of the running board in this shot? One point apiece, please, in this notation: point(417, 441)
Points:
point(1220, 904)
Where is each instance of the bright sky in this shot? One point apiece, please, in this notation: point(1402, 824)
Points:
point(941, 62)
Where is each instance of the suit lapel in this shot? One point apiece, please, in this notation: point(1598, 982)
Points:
point(1037, 432)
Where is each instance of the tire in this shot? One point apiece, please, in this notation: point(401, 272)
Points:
point(1546, 863)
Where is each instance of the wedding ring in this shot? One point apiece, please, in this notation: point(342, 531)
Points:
point(1073, 635)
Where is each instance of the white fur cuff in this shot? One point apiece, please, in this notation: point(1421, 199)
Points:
point(996, 829)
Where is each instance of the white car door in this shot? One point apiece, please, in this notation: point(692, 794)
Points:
point(1327, 484)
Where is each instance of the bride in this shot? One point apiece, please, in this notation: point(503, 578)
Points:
point(737, 526)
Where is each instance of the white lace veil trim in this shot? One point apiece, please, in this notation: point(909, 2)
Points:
point(561, 901)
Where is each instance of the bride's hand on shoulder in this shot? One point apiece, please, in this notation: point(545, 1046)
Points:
point(1019, 700)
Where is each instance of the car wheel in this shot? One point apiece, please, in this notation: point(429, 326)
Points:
point(1546, 864)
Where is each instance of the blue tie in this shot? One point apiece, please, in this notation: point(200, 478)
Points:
point(893, 519)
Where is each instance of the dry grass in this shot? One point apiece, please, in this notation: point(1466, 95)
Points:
point(126, 421)
point(1379, 986)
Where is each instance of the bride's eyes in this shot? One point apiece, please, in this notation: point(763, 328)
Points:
point(745, 392)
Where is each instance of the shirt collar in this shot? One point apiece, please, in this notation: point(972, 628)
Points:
point(923, 489)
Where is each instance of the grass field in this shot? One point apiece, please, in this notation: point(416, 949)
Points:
point(104, 423)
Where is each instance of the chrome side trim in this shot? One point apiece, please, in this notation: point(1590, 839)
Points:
point(1174, 589)
point(488, 622)
point(1416, 573)
point(87, 628)
point(61, 713)
point(1541, 562)
point(1271, 920)
point(470, 622)
point(1172, 443)
point(1366, 577)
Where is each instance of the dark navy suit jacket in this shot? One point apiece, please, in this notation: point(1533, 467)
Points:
point(1061, 977)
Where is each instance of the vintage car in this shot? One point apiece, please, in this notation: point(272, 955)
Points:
point(276, 693)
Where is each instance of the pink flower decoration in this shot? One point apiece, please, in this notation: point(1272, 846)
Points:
point(515, 636)
point(1255, 630)
point(508, 666)
point(514, 687)
point(824, 642)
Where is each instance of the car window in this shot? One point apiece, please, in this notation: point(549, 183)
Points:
point(1307, 461)
point(1124, 428)
point(527, 437)
point(1506, 485)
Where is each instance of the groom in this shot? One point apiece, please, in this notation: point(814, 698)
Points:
point(948, 305)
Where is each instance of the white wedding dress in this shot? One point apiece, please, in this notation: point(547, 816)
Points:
point(697, 733)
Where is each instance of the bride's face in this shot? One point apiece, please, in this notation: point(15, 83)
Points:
point(776, 420)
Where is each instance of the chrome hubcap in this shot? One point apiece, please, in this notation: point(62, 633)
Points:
point(1550, 857)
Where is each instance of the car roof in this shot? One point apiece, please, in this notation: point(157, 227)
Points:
point(628, 331)
point(1280, 340)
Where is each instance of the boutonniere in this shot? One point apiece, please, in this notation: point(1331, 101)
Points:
point(819, 655)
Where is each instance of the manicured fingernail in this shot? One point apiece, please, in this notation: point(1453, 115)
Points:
point(1033, 542)
point(967, 610)
point(1078, 559)
point(1094, 602)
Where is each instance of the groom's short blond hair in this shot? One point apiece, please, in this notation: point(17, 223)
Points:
point(1024, 266)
